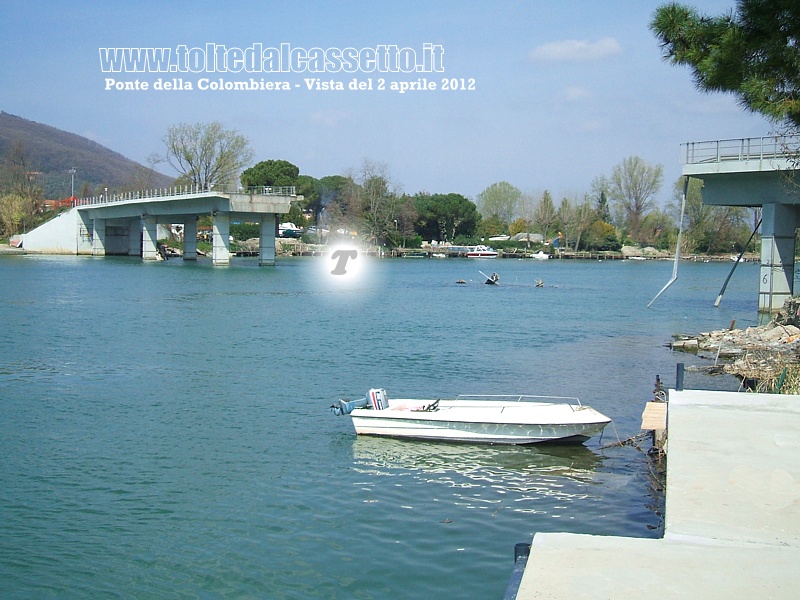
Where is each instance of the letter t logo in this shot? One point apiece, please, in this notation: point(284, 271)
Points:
point(341, 265)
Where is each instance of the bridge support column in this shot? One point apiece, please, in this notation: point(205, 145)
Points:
point(221, 253)
point(190, 238)
point(266, 249)
point(135, 238)
point(776, 278)
point(99, 237)
point(149, 238)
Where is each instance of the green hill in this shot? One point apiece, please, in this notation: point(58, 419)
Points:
point(51, 153)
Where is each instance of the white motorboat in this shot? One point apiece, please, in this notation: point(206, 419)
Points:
point(540, 255)
point(516, 419)
point(481, 251)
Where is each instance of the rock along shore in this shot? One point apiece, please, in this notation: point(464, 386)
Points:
point(756, 354)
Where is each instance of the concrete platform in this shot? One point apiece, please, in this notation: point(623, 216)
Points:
point(732, 526)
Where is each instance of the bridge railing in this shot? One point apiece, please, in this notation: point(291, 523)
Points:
point(185, 190)
point(774, 146)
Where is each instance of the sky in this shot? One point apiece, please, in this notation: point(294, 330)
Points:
point(554, 93)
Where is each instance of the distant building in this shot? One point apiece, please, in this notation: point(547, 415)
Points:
point(536, 238)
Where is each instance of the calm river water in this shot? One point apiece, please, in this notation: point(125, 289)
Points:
point(165, 430)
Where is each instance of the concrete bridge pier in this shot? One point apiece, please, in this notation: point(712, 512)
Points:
point(221, 244)
point(266, 249)
point(135, 237)
point(149, 238)
point(190, 238)
point(776, 278)
point(99, 237)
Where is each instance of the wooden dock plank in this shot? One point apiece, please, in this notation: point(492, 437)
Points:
point(654, 416)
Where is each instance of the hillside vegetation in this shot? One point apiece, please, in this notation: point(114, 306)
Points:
point(51, 153)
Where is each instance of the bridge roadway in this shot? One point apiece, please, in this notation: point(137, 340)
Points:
point(127, 223)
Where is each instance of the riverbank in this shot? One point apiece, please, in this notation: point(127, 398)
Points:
point(764, 358)
point(7, 249)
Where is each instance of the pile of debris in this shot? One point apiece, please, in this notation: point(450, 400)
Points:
point(765, 357)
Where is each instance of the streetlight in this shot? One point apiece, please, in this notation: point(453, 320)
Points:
point(72, 172)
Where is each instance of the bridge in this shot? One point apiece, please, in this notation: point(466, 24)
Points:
point(127, 223)
point(756, 172)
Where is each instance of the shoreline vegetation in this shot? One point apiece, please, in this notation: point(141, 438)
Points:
point(296, 247)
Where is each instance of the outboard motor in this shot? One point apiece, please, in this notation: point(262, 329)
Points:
point(345, 407)
point(376, 399)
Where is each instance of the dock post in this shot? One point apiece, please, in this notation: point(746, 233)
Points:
point(679, 377)
point(521, 553)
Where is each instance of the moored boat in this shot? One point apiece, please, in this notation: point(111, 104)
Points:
point(481, 251)
point(505, 419)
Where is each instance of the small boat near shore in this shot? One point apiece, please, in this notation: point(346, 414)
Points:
point(498, 419)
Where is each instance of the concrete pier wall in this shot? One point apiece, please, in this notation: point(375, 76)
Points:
point(732, 519)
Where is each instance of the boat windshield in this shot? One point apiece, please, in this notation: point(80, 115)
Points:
point(519, 398)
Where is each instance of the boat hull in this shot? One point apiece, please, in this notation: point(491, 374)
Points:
point(487, 423)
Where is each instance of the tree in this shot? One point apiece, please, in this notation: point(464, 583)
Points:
point(658, 230)
point(490, 227)
point(585, 215)
point(499, 200)
point(15, 210)
point(600, 187)
point(405, 219)
point(708, 229)
point(308, 187)
point(445, 216)
point(633, 185)
point(566, 219)
point(753, 53)
point(544, 215)
point(206, 154)
point(520, 225)
point(270, 173)
point(370, 198)
point(22, 199)
point(328, 206)
point(601, 236)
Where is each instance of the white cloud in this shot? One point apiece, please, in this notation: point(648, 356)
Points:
point(573, 93)
point(592, 125)
point(576, 50)
point(328, 118)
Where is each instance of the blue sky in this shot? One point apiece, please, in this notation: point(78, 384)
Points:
point(564, 90)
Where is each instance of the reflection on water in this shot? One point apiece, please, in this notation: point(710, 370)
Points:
point(516, 478)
